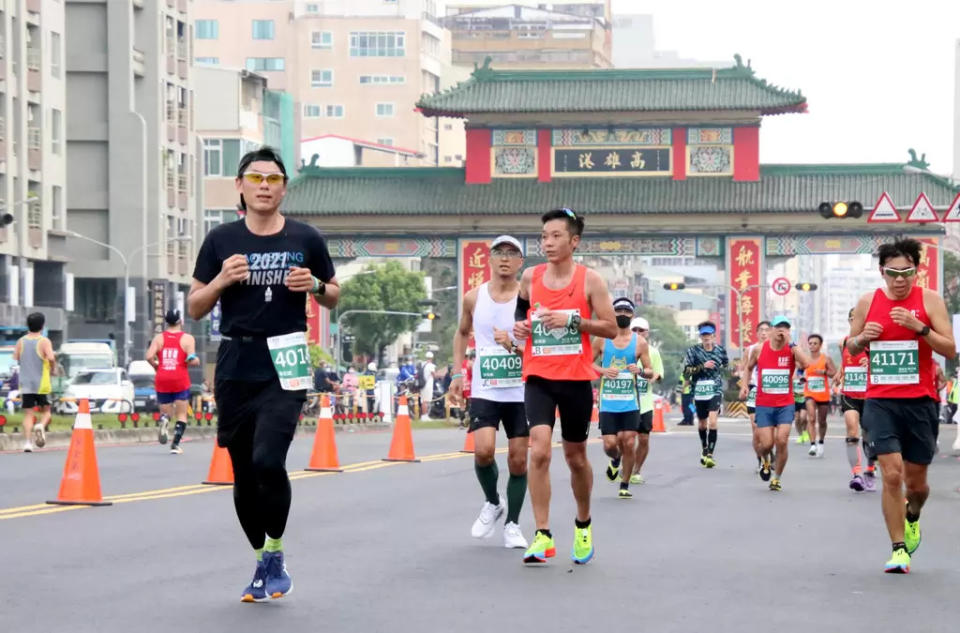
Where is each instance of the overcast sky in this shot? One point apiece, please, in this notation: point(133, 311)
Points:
point(878, 75)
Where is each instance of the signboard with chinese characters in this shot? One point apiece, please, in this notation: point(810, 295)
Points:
point(612, 161)
point(929, 271)
point(474, 264)
point(745, 275)
point(313, 321)
point(158, 310)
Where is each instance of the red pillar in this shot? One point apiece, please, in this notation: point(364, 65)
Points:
point(544, 158)
point(479, 141)
point(746, 153)
point(679, 153)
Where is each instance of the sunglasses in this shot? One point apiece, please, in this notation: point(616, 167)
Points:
point(569, 212)
point(255, 178)
point(505, 252)
point(906, 273)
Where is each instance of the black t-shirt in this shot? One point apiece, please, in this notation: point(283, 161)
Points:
point(262, 306)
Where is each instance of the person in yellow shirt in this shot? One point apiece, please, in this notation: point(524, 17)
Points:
point(34, 353)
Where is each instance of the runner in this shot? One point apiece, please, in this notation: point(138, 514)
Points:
point(170, 352)
point(763, 332)
point(800, 407)
point(558, 368)
point(817, 393)
point(496, 389)
point(34, 353)
point(703, 363)
point(619, 362)
point(261, 268)
point(774, 362)
point(901, 325)
point(644, 387)
point(853, 380)
point(686, 400)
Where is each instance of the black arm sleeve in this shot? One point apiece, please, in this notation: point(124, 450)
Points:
point(523, 306)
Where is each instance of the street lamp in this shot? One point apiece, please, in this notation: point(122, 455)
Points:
point(127, 343)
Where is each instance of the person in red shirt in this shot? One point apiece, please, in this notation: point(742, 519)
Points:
point(900, 325)
point(170, 352)
point(852, 377)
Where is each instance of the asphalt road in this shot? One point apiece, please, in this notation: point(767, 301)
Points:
point(386, 547)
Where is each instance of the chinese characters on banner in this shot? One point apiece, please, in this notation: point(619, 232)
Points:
point(474, 264)
point(745, 273)
point(318, 324)
point(928, 273)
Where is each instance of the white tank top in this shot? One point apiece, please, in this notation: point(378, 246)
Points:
point(488, 314)
point(753, 374)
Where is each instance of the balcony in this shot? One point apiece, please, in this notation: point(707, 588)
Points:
point(182, 192)
point(34, 81)
point(34, 145)
point(182, 126)
point(137, 4)
point(171, 3)
point(139, 62)
point(182, 68)
point(33, 6)
point(182, 6)
point(171, 64)
point(171, 187)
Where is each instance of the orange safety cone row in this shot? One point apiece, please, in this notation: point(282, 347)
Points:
point(595, 414)
point(324, 457)
point(80, 485)
point(221, 468)
point(468, 444)
point(401, 446)
point(658, 425)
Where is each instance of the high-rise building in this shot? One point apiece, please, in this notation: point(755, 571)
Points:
point(32, 164)
point(634, 46)
point(132, 165)
point(845, 279)
point(355, 69)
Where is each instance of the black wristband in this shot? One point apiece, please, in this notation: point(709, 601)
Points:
point(523, 306)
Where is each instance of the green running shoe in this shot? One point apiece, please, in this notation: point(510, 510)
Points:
point(637, 478)
point(612, 471)
point(582, 545)
point(775, 485)
point(540, 550)
point(911, 535)
point(899, 563)
point(624, 493)
point(708, 461)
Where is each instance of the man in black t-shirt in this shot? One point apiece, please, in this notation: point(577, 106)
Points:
point(260, 268)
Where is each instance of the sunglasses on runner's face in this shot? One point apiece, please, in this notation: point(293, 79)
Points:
point(505, 252)
point(893, 273)
point(255, 178)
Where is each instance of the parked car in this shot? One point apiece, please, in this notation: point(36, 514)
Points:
point(109, 391)
point(143, 376)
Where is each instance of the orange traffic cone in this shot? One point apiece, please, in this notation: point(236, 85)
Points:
point(324, 457)
point(595, 414)
point(221, 468)
point(80, 485)
point(468, 445)
point(658, 425)
point(401, 447)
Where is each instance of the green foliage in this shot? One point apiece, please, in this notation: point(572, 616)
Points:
point(669, 338)
point(444, 274)
point(951, 293)
point(389, 287)
point(318, 354)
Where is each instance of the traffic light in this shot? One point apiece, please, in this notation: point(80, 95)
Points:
point(674, 285)
point(840, 209)
point(5, 219)
point(431, 315)
point(806, 286)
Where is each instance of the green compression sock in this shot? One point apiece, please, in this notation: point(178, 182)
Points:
point(516, 489)
point(273, 545)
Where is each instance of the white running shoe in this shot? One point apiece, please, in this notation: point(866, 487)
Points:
point(813, 450)
point(513, 537)
point(28, 447)
point(484, 525)
point(163, 434)
point(819, 450)
point(39, 435)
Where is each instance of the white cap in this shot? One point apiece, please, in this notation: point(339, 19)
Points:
point(429, 355)
point(506, 239)
point(639, 323)
point(372, 366)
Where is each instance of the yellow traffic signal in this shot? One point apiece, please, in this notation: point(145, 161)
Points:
point(674, 285)
point(806, 286)
point(430, 316)
point(840, 209)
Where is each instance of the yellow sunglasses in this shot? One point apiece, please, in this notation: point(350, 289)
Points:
point(255, 178)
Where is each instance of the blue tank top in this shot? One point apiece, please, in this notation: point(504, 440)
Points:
point(620, 394)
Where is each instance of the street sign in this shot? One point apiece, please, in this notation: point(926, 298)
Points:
point(922, 211)
point(781, 286)
point(953, 213)
point(884, 211)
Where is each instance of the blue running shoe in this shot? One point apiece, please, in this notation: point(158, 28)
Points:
point(256, 591)
point(278, 582)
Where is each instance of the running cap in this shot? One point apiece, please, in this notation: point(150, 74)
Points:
point(623, 303)
point(172, 317)
point(706, 328)
point(780, 321)
point(372, 366)
point(429, 355)
point(506, 239)
point(639, 323)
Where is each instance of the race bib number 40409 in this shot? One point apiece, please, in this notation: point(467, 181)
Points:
point(291, 359)
point(564, 341)
point(894, 363)
point(499, 368)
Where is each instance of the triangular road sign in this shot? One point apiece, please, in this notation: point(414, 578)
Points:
point(922, 210)
point(953, 213)
point(884, 211)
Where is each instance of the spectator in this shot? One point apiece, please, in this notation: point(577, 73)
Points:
point(429, 372)
point(349, 385)
point(371, 393)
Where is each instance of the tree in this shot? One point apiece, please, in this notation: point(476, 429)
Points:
point(951, 293)
point(444, 274)
point(667, 336)
point(388, 287)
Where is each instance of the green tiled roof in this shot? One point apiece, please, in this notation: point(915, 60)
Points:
point(442, 191)
point(612, 90)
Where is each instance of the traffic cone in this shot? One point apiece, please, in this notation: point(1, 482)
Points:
point(658, 425)
point(595, 415)
point(221, 468)
point(324, 457)
point(401, 447)
point(468, 446)
point(80, 485)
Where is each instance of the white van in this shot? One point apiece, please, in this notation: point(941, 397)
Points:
point(75, 358)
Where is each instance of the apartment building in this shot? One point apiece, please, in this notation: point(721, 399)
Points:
point(354, 68)
point(32, 163)
point(132, 165)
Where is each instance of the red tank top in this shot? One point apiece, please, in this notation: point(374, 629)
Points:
point(558, 354)
point(880, 307)
point(172, 376)
point(775, 376)
point(853, 388)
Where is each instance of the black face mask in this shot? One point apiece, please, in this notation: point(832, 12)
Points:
point(623, 321)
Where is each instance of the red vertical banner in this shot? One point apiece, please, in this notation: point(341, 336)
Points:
point(474, 264)
point(314, 332)
point(745, 275)
point(928, 273)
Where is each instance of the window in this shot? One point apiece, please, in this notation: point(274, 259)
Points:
point(56, 207)
point(377, 43)
point(382, 79)
point(313, 8)
point(212, 157)
point(265, 63)
point(312, 110)
point(94, 298)
point(215, 217)
point(335, 111)
point(322, 78)
point(321, 39)
point(386, 109)
point(206, 29)
point(385, 141)
point(56, 122)
point(263, 29)
point(54, 54)
point(206, 61)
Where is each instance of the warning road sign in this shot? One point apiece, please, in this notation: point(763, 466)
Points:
point(884, 211)
point(922, 210)
point(781, 286)
point(953, 213)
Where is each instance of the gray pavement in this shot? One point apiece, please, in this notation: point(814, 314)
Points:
point(387, 547)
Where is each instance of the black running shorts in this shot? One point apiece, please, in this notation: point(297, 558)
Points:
point(31, 400)
point(705, 407)
point(613, 422)
point(484, 413)
point(574, 398)
point(646, 423)
point(908, 426)
point(264, 404)
point(851, 404)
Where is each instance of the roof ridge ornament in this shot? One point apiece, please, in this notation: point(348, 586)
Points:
point(919, 163)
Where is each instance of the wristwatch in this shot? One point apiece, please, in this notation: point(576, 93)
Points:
point(513, 347)
point(575, 321)
point(319, 287)
point(923, 332)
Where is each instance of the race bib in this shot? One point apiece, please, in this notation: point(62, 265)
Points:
point(855, 379)
point(775, 382)
point(817, 384)
point(619, 389)
point(499, 368)
point(643, 386)
point(752, 397)
point(798, 391)
point(705, 390)
point(291, 360)
point(894, 363)
point(564, 341)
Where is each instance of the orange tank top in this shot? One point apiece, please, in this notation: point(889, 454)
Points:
point(562, 353)
point(818, 384)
